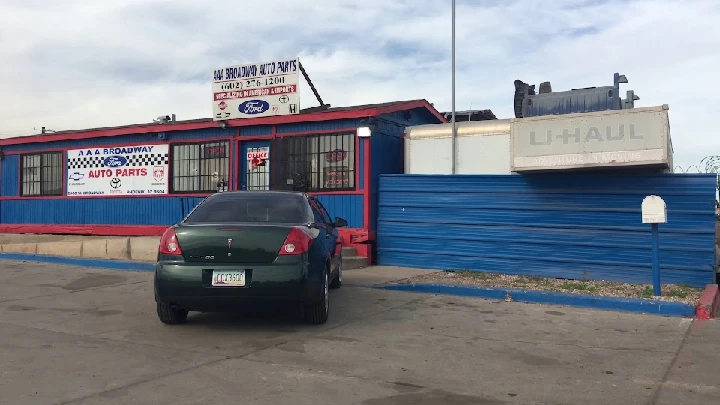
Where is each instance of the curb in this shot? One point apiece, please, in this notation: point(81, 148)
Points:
point(707, 307)
point(553, 298)
point(126, 265)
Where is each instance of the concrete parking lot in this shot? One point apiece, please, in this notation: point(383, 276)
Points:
point(72, 335)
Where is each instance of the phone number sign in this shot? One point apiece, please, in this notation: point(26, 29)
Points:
point(256, 90)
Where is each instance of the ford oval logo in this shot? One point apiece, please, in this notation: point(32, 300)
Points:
point(115, 161)
point(254, 107)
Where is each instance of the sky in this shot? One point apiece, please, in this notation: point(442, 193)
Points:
point(74, 64)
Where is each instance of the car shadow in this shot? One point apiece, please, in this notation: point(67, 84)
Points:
point(275, 317)
point(346, 305)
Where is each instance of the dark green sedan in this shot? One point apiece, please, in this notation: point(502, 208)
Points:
point(243, 247)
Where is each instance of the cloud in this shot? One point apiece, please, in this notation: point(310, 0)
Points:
point(80, 63)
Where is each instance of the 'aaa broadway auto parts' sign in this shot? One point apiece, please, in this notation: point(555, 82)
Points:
point(117, 171)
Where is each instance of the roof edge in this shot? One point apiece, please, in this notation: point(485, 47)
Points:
point(205, 123)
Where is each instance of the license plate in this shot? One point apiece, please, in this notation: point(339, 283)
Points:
point(228, 278)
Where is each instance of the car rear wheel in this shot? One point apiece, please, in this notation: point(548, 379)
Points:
point(337, 281)
point(317, 312)
point(170, 314)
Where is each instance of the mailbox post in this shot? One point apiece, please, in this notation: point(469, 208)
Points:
point(654, 212)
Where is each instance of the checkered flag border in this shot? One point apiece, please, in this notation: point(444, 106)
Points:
point(138, 160)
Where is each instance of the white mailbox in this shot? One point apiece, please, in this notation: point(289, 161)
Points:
point(654, 210)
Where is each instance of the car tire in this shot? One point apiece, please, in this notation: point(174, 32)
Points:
point(317, 312)
point(171, 315)
point(337, 281)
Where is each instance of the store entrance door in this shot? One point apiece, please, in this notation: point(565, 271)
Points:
point(255, 165)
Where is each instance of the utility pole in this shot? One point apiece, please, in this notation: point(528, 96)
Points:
point(452, 120)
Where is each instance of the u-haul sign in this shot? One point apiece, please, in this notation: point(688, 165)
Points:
point(637, 136)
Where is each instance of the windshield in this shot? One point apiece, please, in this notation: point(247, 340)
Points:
point(239, 208)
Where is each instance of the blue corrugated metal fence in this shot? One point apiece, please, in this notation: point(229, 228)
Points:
point(577, 226)
point(98, 211)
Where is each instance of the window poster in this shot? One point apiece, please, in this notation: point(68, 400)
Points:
point(118, 171)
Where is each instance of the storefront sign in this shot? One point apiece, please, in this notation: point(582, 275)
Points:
point(337, 155)
point(258, 153)
point(256, 90)
point(258, 156)
point(214, 151)
point(118, 171)
point(337, 177)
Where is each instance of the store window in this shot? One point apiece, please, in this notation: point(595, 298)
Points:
point(316, 163)
point(41, 174)
point(197, 167)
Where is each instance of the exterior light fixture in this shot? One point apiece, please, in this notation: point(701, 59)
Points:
point(364, 132)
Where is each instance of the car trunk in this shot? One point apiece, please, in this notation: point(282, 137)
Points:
point(241, 243)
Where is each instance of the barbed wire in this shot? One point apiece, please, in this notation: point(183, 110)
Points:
point(694, 168)
point(712, 164)
point(708, 164)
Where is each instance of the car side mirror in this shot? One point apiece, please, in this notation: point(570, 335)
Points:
point(339, 222)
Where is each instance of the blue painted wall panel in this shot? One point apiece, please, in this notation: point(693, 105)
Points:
point(99, 211)
point(10, 172)
point(558, 225)
point(317, 126)
point(349, 207)
point(256, 130)
point(360, 166)
point(139, 210)
point(387, 158)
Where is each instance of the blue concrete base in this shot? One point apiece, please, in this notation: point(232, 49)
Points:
point(77, 261)
point(553, 298)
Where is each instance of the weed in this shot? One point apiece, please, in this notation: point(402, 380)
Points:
point(646, 292)
point(480, 275)
point(676, 293)
point(575, 286)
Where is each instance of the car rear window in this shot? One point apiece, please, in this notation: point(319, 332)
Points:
point(275, 209)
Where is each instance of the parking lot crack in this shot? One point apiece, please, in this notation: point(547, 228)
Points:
point(619, 349)
point(281, 340)
point(658, 389)
point(72, 291)
point(160, 376)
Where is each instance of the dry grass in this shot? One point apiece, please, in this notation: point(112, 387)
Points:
point(670, 292)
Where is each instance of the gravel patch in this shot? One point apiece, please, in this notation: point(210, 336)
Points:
point(670, 292)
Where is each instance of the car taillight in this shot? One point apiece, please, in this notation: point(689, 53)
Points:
point(297, 242)
point(169, 244)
